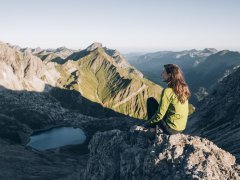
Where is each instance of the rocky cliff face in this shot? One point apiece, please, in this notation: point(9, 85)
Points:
point(132, 155)
point(21, 70)
point(217, 115)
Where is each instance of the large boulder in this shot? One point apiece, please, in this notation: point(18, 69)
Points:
point(119, 154)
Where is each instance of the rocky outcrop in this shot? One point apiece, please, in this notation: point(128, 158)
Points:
point(132, 155)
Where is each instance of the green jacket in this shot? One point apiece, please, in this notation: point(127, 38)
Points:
point(176, 113)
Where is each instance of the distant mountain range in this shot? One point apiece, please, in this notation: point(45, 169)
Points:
point(151, 64)
point(203, 69)
point(213, 70)
point(63, 52)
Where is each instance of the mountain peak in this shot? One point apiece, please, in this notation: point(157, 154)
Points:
point(61, 48)
point(209, 50)
point(223, 52)
point(94, 46)
point(228, 53)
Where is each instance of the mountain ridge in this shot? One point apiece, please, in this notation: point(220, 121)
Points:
point(104, 78)
point(116, 82)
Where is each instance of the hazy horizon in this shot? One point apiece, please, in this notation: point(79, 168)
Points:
point(126, 51)
point(128, 26)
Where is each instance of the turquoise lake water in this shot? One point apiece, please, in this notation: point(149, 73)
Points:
point(57, 137)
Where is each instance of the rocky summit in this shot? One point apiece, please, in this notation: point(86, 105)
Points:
point(117, 154)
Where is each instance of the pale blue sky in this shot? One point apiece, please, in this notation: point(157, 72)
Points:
point(127, 25)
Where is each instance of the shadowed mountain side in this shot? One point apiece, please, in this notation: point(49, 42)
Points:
point(34, 111)
point(203, 78)
point(25, 112)
point(77, 55)
point(53, 58)
point(22, 104)
point(54, 55)
point(218, 114)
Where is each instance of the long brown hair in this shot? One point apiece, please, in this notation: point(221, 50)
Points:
point(177, 82)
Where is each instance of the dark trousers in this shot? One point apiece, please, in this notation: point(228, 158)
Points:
point(152, 107)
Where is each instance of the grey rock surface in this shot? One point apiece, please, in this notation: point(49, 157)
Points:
point(94, 46)
point(131, 155)
point(22, 70)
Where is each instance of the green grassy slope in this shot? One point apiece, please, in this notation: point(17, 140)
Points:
point(98, 78)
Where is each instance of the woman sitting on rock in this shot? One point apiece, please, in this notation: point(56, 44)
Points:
point(172, 112)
